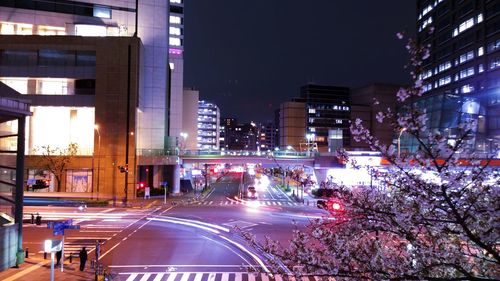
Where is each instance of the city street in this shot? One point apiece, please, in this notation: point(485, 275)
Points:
point(198, 239)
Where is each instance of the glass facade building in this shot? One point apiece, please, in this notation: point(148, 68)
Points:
point(461, 77)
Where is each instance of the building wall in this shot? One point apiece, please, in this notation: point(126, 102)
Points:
point(110, 100)
point(190, 118)
point(292, 124)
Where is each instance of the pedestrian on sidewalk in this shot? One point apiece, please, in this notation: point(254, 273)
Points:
point(83, 258)
point(58, 257)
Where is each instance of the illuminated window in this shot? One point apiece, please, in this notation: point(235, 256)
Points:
point(18, 84)
point(495, 63)
point(7, 29)
point(174, 30)
point(466, 57)
point(467, 88)
point(466, 72)
point(479, 18)
point(480, 51)
point(48, 86)
point(175, 19)
point(90, 30)
point(312, 110)
point(102, 12)
point(463, 26)
point(427, 74)
point(444, 81)
point(171, 64)
point(427, 10)
point(174, 41)
point(176, 1)
point(444, 66)
point(51, 30)
point(24, 29)
point(78, 124)
point(480, 68)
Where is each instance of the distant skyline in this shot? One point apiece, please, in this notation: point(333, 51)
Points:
point(250, 56)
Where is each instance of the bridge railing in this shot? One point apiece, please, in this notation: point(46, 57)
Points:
point(226, 153)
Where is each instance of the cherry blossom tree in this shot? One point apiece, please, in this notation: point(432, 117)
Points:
point(55, 160)
point(433, 214)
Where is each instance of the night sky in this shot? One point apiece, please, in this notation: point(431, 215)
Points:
point(248, 56)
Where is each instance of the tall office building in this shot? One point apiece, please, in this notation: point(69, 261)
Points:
point(320, 116)
point(208, 126)
point(89, 62)
point(461, 76)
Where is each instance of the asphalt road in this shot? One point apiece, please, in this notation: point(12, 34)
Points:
point(195, 242)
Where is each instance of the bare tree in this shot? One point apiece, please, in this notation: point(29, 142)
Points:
point(56, 160)
point(433, 214)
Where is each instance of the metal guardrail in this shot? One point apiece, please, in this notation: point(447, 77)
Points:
point(226, 153)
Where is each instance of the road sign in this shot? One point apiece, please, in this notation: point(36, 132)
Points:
point(60, 226)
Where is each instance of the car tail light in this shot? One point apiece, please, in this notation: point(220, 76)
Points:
point(336, 206)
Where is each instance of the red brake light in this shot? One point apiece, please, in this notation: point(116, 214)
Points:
point(336, 206)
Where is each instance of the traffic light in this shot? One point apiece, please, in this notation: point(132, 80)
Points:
point(141, 185)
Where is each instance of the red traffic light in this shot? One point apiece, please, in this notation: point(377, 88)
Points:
point(141, 185)
point(335, 206)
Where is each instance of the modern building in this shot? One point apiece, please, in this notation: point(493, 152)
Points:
point(320, 116)
point(13, 113)
point(461, 75)
point(365, 108)
point(226, 128)
point(292, 124)
point(267, 136)
point(105, 63)
point(237, 136)
point(208, 126)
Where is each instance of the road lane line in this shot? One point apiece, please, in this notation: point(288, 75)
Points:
point(211, 276)
point(159, 276)
point(251, 277)
point(147, 221)
point(132, 277)
point(185, 277)
point(264, 277)
point(278, 278)
point(225, 277)
point(171, 276)
point(198, 277)
point(26, 271)
point(145, 277)
point(238, 276)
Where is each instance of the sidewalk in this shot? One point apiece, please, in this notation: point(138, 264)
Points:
point(34, 269)
point(305, 198)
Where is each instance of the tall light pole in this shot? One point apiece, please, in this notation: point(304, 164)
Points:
point(399, 140)
point(184, 138)
point(96, 127)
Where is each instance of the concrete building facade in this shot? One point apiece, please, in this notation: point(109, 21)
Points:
point(86, 63)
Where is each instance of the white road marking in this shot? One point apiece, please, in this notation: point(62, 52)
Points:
point(132, 277)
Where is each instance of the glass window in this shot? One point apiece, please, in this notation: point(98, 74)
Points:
point(56, 57)
point(174, 41)
point(102, 12)
point(175, 19)
point(174, 30)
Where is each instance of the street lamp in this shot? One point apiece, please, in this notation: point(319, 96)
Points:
point(184, 137)
point(96, 127)
point(399, 140)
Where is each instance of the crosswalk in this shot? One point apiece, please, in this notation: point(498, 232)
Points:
point(210, 276)
point(261, 203)
point(95, 227)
